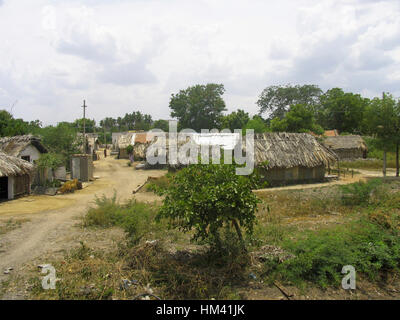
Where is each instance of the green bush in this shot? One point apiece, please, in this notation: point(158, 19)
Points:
point(359, 193)
point(207, 197)
point(134, 217)
point(320, 256)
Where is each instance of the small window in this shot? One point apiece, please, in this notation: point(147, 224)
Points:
point(26, 158)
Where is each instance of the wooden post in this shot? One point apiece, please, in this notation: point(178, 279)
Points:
point(338, 168)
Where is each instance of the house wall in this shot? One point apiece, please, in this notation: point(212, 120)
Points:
point(18, 186)
point(10, 188)
point(294, 175)
point(32, 152)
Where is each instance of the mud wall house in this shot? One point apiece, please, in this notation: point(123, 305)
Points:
point(115, 137)
point(27, 147)
point(139, 141)
point(92, 142)
point(15, 177)
point(288, 158)
point(349, 147)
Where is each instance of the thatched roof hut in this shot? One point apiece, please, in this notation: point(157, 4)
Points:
point(13, 166)
point(347, 147)
point(14, 146)
point(286, 158)
point(289, 150)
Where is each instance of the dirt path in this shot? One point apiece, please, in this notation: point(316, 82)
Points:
point(51, 219)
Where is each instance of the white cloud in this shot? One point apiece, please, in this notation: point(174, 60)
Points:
point(124, 55)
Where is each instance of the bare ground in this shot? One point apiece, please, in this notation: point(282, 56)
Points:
point(49, 227)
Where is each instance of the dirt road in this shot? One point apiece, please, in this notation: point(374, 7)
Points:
point(51, 219)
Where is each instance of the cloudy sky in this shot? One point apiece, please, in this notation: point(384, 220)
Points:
point(126, 55)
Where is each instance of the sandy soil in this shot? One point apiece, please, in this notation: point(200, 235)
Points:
point(51, 219)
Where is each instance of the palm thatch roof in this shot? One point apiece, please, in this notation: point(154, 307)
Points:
point(271, 150)
point(13, 166)
point(289, 150)
point(345, 142)
point(13, 146)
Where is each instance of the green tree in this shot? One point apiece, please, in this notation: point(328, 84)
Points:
point(161, 124)
point(199, 107)
point(235, 120)
point(277, 99)
point(342, 111)
point(257, 124)
point(14, 127)
point(382, 120)
point(298, 119)
point(208, 197)
point(61, 139)
point(90, 125)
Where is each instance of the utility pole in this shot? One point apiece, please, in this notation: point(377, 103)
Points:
point(84, 126)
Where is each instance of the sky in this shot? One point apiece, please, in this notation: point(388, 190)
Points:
point(131, 55)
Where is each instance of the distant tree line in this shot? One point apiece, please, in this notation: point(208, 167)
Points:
point(288, 108)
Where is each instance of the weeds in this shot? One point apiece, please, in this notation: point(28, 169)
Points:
point(359, 193)
point(134, 217)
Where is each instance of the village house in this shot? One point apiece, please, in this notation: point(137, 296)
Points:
point(27, 147)
point(92, 142)
point(282, 158)
point(15, 177)
point(349, 147)
point(286, 158)
point(138, 140)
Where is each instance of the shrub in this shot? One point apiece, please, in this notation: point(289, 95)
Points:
point(159, 185)
point(49, 160)
point(371, 244)
point(129, 149)
point(134, 217)
point(208, 197)
point(359, 193)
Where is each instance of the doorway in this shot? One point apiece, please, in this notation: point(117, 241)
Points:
point(3, 188)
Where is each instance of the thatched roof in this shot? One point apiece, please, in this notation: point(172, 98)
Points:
point(289, 150)
point(13, 146)
point(13, 166)
point(280, 150)
point(345, 142)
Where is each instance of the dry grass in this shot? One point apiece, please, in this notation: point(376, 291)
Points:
point(11, 224)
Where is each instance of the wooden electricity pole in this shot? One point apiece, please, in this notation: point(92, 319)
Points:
point(84, 126)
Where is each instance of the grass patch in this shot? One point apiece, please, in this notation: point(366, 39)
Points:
point(368, 240)
point(159, 185)
point(134, 217)
point(368, 164)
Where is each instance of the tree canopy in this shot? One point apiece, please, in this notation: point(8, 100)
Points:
point(199, 107)
point(235, 120)
point(342, 111)
point(277, 99)
point(298, 119)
